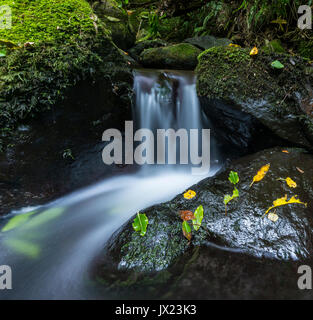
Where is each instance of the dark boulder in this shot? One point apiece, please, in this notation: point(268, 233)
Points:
point(244, 229)
point(237, 85)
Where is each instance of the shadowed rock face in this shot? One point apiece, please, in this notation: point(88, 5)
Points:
point(243, 229)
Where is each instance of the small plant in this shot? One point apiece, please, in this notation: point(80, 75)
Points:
point(196, 219)
point(234, 179)
point(67, 153)
point(140, 223)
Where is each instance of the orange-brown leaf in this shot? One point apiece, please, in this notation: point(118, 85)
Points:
point(186, 215)
point(261, 174)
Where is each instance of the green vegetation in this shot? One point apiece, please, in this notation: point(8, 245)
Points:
point(140, 223)
point(234, 179)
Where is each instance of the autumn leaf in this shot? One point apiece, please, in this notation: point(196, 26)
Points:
point(283, 201)
point(140, 224)
point(289, 181)
point(254, 51)
point(189, 194)
point(273, 216)
point(301, 171)
point(186, 215)
point(261, 174)
point(186, 230)
point(198, 218)
point(234, 45)
point(285, 151)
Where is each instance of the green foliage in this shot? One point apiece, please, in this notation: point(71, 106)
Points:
point(140, 223)
point(17, 220)
point(186, 230)
point(277, 65)
point(234, 179)
point(199, 217)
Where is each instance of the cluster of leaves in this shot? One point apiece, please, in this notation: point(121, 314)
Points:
point(234, 179)
point(196, 219)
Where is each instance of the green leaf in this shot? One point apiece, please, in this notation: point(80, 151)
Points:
point(17, 220)
point(235, 193)
point(199, 216)
point(113, 19)
point(233, 177)
point(186, 230)
point(277, 65)
point(140, 223)
point(227, 198)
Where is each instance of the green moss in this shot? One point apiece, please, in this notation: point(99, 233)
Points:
point(231, 74)
point(306, 49)
point(45, 20)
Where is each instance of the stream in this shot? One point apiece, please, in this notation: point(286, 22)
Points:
point(50, 248)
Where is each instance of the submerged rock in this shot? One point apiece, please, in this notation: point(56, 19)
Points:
point(178, 56)
point(244, 228)
point(279, 100)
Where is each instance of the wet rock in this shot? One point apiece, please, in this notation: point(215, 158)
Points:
point(178, 56)
point(207, 42)
point(251, 86)
point(244, 228)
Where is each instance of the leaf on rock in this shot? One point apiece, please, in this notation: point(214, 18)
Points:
point(273, 216)
point(283, 201)
point(233, 177)
point(198, 218)
point(189, 194)
point(300, 170)
point(186, 230)
point(289, 181)
point(254, 51)
point(261, 174)
point(277, 65)
point(140, 223)
point(186, 215)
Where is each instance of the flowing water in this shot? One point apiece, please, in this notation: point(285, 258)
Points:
point(50, 248)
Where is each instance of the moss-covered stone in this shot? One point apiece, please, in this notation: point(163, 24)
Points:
point(252, 85)
point(69, 46)
point(117, 21)
point(178, 56)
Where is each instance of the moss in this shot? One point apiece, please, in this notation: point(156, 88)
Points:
point(67, 49)
point(230, 73)
point(306, 49)
point(177, 56)
point(45, 20)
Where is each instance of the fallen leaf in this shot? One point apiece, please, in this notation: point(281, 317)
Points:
point(198, 217)
point(254, 51)
point(301, 171)
point(186, 215)
point(140, 224)
point(261, 174)
point(234, 45)
point(273, 216)
point(283, 201)
point(289, 181)
point(189, 194)
point(285, 151)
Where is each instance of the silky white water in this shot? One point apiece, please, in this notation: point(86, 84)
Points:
point(51, 251)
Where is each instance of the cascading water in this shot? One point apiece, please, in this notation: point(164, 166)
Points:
point(50, 248)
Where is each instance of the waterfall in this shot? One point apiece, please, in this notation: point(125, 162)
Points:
point(51, 252)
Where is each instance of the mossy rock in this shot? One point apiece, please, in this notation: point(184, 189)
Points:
point(251, 85)
point(117, 21)
point(178, 56)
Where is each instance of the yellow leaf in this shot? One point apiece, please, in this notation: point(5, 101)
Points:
point(261, 174)
point(254, 51)
point(291, 183)
point(234, 45)
point(189, 194)
point(283, 201)
point(273, 216)
point(285, 151)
